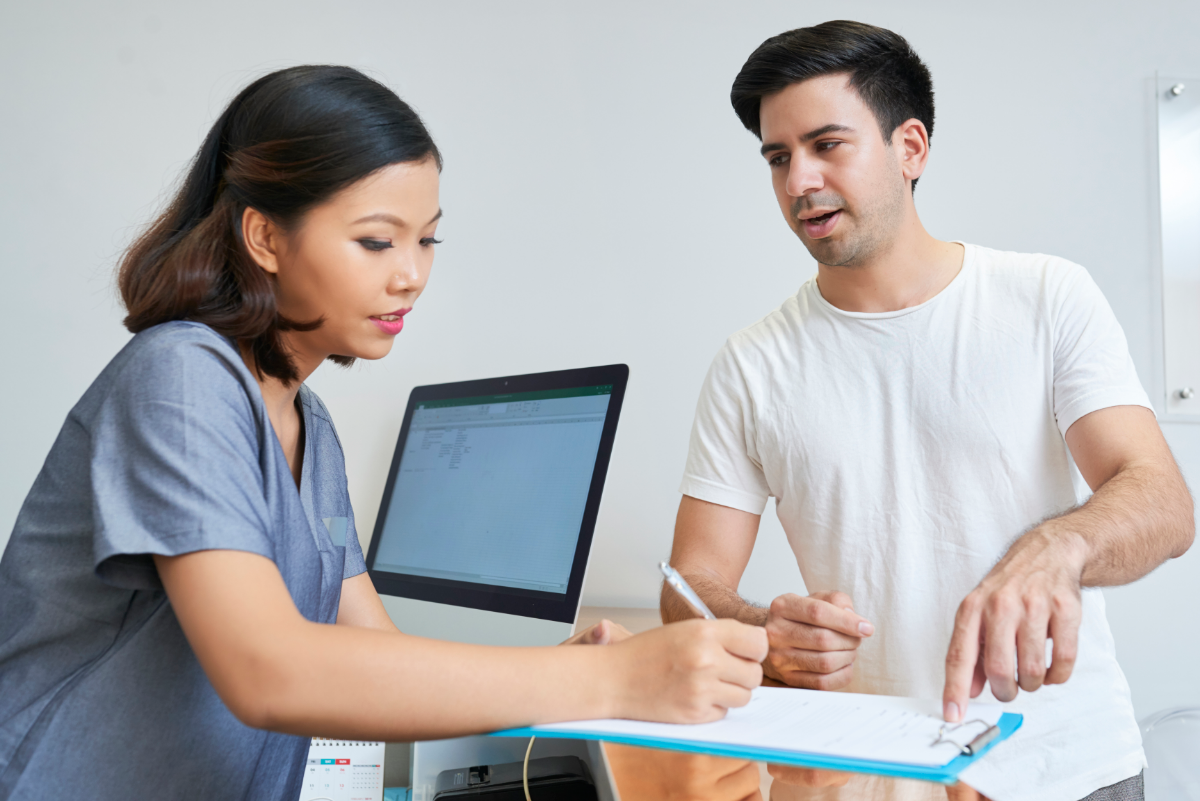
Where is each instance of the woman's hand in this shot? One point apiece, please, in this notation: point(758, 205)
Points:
point(689, 672)
point(603, 633)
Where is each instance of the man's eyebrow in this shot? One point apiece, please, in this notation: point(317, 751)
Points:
point(383, 216)
point(808, 137)
point(826, 129)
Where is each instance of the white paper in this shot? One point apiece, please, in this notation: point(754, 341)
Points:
point(880, 728)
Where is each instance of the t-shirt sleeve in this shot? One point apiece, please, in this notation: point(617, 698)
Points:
point(175, 463)
point(1092, 366)
point(722, 464)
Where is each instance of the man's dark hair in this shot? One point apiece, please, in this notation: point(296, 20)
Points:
point(883, 68)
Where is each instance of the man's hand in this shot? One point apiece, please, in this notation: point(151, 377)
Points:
point(1139, 515)
point(807, 777)
point(814, 640)
point(645, 774)
point(1001, 628)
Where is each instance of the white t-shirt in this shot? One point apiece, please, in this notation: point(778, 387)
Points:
point(906, 451)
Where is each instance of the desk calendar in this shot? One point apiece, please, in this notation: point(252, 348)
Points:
point(343, 770)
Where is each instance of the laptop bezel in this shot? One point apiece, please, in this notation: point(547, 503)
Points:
point(486, 597)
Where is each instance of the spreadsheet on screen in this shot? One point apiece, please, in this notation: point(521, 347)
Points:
point(492, 490)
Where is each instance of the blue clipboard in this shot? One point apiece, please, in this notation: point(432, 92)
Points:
point(946, 774)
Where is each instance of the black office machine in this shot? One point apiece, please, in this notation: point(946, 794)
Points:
point(564, 778)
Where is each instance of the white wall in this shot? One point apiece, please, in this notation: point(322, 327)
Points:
point(603, 204)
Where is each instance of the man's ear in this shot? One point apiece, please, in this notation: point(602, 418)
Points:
point(262, 239)
point(910, 141)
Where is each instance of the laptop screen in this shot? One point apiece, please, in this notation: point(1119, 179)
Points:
point(492, 489)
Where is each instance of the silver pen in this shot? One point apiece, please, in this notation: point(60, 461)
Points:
point(685, 592)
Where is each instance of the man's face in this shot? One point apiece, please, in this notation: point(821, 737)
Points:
point(838, 183)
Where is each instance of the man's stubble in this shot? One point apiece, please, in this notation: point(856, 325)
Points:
point(873, 229)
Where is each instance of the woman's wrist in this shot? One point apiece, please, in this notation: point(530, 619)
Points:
point(613, 678)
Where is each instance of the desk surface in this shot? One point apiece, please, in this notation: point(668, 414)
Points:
point(644, 774)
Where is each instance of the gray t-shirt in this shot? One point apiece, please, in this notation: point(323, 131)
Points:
point(169, 451)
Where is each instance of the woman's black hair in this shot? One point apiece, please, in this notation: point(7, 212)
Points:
point(286, 143)
point(883, 68)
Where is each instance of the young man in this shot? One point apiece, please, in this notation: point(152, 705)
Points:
point(929, 417)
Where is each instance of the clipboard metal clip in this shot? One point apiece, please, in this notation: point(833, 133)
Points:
point(972, 747)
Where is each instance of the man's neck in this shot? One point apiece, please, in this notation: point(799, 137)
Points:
point(913, 268)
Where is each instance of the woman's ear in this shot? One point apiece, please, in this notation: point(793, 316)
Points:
point(263, 239)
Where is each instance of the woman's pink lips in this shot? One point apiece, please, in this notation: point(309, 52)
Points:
point(392, 327)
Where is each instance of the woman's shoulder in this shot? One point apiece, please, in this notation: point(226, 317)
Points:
point(179, 362)
point(319, 414)
point(182, 350)
point(182, 338)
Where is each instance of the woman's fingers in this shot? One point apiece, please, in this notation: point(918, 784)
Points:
point(738, 639)
point(603, 633)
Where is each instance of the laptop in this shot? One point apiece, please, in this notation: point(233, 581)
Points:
point(485, 527)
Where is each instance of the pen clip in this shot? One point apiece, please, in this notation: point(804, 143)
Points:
point(972, 747)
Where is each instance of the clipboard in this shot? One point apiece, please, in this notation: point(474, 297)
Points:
point(948, 773)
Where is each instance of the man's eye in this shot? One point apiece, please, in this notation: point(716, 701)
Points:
point(827, 145)
point(775, 161)
point(429, 240)
point(375, 244)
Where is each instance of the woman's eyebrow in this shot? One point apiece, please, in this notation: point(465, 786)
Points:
point(383, 216)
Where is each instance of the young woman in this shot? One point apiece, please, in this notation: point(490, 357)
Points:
point(169, 594)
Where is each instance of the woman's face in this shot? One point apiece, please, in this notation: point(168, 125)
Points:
point(359, 261)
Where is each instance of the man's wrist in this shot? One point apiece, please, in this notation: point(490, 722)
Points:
point(753, 615)
point(1070, 548)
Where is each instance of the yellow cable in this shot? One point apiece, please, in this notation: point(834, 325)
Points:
point(525, 772)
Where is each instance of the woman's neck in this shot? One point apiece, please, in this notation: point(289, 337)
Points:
point(279, 397)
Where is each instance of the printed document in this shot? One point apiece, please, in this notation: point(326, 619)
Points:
point(878, 728)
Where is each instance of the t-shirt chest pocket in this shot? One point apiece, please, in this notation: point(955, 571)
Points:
point(336, 527)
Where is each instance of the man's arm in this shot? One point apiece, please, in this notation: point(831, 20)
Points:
point(813, 640)
point(1139, 516)
point(711, 549)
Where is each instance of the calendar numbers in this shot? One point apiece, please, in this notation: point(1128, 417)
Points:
point(343, 770)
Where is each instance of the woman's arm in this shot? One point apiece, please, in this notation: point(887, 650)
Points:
point(276, 670)
point(360, 606)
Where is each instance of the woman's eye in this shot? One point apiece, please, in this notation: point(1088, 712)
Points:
point(375, 244)
point(429, 240)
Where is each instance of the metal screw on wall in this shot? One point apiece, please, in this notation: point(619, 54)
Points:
point(1177, 89)
point(1186, 393)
